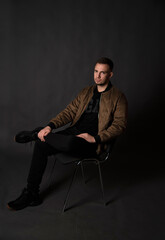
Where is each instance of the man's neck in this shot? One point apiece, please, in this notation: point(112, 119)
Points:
point(101, 88)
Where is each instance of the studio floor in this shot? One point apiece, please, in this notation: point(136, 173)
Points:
point(135, 195)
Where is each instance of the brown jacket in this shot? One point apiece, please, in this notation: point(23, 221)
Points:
point(112, 113)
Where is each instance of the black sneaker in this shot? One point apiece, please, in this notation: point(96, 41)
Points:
point(27, 136)
point(26, 199)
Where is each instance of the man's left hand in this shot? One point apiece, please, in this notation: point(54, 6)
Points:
point(89, 138)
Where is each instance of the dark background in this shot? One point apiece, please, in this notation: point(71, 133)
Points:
point(48, 51)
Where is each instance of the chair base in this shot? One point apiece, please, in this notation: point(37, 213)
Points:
point(80, 163)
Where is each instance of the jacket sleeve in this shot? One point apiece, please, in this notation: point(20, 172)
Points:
point(68, 114)
point(119, 122)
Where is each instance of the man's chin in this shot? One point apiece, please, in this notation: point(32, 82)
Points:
point(100, 84)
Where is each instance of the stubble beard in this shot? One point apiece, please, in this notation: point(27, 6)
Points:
point(103, 83)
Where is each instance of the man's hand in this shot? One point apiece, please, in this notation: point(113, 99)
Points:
point(89, 138)
point(43, 133)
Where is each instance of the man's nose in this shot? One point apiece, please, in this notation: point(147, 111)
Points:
point(99, 75)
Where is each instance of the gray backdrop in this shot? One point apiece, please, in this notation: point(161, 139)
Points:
point(48, 50)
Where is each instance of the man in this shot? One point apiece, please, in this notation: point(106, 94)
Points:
point(97, 115)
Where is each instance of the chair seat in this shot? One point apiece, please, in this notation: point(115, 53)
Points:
point(65, 158)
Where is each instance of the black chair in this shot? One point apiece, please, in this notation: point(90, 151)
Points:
point(98, 160)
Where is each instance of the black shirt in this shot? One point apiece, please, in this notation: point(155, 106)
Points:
point(88, 122)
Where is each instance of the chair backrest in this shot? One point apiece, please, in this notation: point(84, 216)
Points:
point(105, 155)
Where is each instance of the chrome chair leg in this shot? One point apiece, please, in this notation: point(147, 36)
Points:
point(68, 193)
point(101, 182)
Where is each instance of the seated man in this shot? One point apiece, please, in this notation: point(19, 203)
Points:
point(97, 115)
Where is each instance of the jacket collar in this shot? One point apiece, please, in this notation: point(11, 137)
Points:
point(106, 90)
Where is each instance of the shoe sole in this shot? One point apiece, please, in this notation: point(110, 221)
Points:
point(33, 204)
point(11, 209)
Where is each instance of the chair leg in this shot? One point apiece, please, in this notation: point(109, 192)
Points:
point(68, 193)
point(101, 182)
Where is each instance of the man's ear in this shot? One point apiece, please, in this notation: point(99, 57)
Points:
point(111, 74)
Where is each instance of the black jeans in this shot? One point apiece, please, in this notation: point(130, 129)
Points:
point(63, 141)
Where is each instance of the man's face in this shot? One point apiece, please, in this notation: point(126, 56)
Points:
point(102, 74)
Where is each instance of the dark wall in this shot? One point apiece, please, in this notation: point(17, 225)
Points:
point(48, 50)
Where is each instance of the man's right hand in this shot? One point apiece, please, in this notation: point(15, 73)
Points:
point(45, 131)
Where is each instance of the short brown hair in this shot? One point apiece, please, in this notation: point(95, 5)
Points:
point(105, 60)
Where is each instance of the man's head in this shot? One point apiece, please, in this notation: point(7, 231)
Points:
point(103, 71)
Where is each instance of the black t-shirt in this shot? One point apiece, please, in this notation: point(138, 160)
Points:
point(88, 122)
